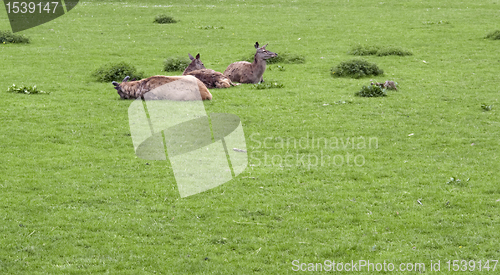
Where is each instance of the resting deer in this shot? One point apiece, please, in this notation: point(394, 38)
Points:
point(195, 64)
point(181, 88)
point(391, 85)
point(210, 78)
point(246, 72)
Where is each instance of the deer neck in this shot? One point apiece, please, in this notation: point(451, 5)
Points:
point(259, 65)
point(192, 67)
point(189, 69)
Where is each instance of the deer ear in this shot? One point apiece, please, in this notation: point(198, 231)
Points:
point(198, 56)
point(115, 83)
point(256, 45)
point(190, 56)
point(126, 78)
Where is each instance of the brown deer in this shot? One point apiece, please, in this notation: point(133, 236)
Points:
point(246, 72)
point(195, 64)
point(182, 88)
point(391, 85)
point(210, 78)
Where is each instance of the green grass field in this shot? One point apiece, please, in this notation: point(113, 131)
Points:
point(76, 200)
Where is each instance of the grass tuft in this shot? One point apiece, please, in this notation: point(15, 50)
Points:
point(164, 19)
point(393, 51)
point(457, 181)
point(286, 58)
point(356, 68)
point(364, 50)
point(7, 37)
point(25, 90)
point(276, 67)
point(269, 84)
point(176, 63)
point(440, 22)
point(379, 51)
point(116, 72)
point(371, 91)
point(486, 107)
point(209, 27)
point(495, 35)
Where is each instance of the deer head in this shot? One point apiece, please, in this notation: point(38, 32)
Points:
point(119, 89)
point(196, 64)
point(262, 53)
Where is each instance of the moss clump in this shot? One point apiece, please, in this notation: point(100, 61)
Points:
point(116, 72)
point(23, 89)
point(164, 19)
point(286, 58)
point(393, 51)
point(356, 68)
point(371, 91)
point(364, 50)
point(7, 37)
point(378, 51)
point(268, 84)
point(176, 63)
point(494, 35)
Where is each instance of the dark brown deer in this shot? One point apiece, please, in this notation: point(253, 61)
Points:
point(210, 78)
point(246, 72)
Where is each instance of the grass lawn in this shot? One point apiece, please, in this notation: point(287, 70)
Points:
point(409, 178)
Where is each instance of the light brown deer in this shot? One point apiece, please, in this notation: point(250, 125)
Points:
point(210, 78)
point(246, 72)
point(180, 89)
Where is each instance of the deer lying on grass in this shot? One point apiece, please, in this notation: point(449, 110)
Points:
point(195, 64)
point(391, 85)
point(246, 72)
point(210, 78)
point(180, 89)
